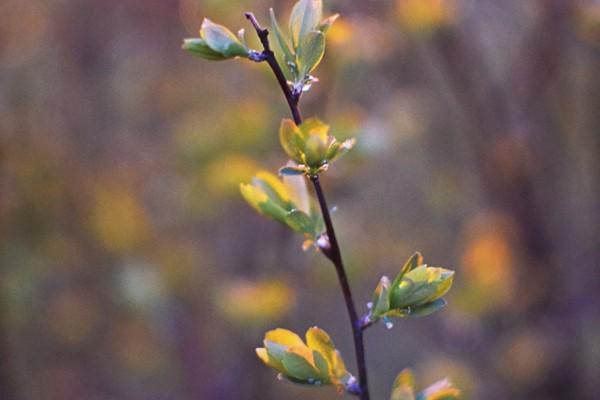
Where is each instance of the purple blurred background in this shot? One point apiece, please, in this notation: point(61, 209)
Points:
point(130, 268)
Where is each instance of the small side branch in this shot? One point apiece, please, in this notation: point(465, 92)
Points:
point(268, 56)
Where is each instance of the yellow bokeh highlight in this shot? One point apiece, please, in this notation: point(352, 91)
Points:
point(340, 33)
point(488, 262)
point(246, 301)
point(526, 357)
point(223, 176)
point(425, 16)
point(118, 219)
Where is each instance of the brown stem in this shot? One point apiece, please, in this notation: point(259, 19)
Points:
point(268, 56)
point(332, 251)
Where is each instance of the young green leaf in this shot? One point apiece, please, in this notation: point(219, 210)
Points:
point(327, 22)
point(282, 42)
point(427, 309)
point(200, 48)
point(310, 52)
point(413, 262)
point(300, 222)
point(404, 386)
point(381, 298)
point(289, 136)
point(305, 17)
point(440, 390)
point(291, 171)
point(222, 40)
point(298, 366)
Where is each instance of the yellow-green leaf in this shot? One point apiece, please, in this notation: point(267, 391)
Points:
point(327, 22)
point(403, 387)
point(413, 262)
point(289, 136)
point(222, 40)
point(269, 359)
point(381, 297)
point(284, 337)
point(310, 52)
point(305, 17)
point(273, 188)
point(297, 365)
point(317, 339)
point(427, 309)
point(300, 222)
point(282, 40)
point(200, 48)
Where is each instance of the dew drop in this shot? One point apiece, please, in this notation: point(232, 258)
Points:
point(370, 305)
point(388, 323)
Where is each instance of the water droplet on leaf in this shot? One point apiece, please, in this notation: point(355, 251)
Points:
point(388, 322)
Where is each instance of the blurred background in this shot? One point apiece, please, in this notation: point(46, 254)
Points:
point(130, 267)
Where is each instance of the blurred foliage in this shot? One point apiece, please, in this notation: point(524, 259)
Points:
point(131, 269)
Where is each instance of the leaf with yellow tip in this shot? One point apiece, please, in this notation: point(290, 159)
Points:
point(298, 192)
point(261, 203)
point(403, 387)
point(314, 127)
point(290, 138)
point(269, 360)
point(284, 337)
point(413, 262)
point(381, 297)
point(299, 363)
point(445, 394)
point(273, 187)
point(440, 390)
point(317, 339)
point(328, 22)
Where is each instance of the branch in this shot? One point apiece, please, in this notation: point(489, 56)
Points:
point(268, 56)
point(332, 251)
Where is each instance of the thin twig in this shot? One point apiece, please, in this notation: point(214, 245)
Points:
point(332, 251)
point(269, 57)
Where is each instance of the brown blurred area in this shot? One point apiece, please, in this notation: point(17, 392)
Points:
point(130, 268)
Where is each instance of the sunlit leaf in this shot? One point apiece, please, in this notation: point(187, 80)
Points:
point(381, 297)
point(403, 387)
point(300, 222)
point(282, 41)
point(289, 137)
point(413, 262)
point(440, 390)
point(328, 22)
point(305, 17)
point(222, 40)
point(310, 52)
point(299, 196)
point(427, 309)
point(284, 337)
point(298, 363)
point(200, 48)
